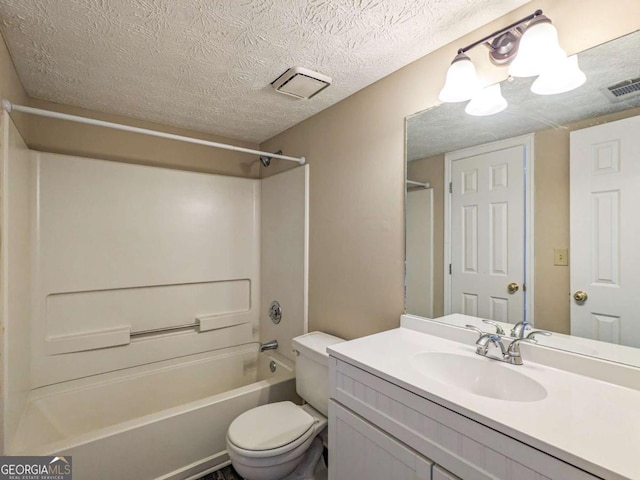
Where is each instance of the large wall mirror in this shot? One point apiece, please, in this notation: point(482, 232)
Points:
point(534, 213)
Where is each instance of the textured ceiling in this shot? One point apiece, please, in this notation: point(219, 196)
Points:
point(448, 128)
point(206, 65)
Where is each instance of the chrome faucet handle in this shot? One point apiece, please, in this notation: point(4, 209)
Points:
point(486, 339)
point(532, 335)
point(519, 329)
point(475, 329)
point(499, 329)
point(514, 356)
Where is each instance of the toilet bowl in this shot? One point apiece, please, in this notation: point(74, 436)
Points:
point(269, 442)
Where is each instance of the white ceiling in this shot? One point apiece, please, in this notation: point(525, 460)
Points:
point(206, 65)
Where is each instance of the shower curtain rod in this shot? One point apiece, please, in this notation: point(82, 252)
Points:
point(419, 184)
point(9, 107)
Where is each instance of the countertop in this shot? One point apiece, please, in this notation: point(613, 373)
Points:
point(589, 423)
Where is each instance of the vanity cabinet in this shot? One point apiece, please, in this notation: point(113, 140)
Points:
point(377, 427)
point(367, 452)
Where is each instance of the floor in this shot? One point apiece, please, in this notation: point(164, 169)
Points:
point(227, 473)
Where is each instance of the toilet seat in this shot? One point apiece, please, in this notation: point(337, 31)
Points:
point(271, 430)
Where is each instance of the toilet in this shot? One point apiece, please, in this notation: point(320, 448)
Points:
point(273, 441)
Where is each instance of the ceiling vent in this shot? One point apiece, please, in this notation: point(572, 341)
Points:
point(301, 83)
point(623, 90)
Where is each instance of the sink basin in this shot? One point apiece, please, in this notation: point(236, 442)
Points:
point(480, 376)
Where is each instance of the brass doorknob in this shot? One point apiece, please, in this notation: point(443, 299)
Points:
point(513, 287)
point(580, 296)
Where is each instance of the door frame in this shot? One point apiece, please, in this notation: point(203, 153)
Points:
point(528, 142)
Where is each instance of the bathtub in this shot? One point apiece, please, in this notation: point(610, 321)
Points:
point(162, 421)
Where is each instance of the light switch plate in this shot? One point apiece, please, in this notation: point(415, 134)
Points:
point(561, 257)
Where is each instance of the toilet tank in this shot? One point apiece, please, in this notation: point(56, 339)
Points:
point(312, 368)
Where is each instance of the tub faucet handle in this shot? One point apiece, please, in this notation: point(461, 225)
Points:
point(272, 345)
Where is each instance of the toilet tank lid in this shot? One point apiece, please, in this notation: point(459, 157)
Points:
point(314, 345)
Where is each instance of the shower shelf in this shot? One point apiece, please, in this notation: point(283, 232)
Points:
point(119, 336)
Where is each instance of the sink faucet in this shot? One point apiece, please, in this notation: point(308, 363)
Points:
point(272, 345)
point(511, 354)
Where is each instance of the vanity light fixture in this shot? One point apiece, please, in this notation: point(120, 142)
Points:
point(530, 47)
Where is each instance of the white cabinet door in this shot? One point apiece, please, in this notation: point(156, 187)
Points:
point(605, 229)
point(487, 232)
point(358, 450)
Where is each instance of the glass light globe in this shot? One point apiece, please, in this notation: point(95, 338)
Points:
point(487, 102)
point(538, 48)
point(560, 79)
point(461, 82)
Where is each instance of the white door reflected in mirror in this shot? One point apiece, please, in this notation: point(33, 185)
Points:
point(487, 230)
point(605, 172)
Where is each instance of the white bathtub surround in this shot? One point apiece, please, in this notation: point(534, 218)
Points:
point(284, 263)
point(578, 423)
point(123, 248)
point(131, 309)
point(166, 420)
point(15, 263)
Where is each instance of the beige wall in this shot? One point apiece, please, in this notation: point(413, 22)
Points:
point(551, 228)
point(356, 152)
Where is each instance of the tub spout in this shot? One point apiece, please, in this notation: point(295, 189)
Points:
point(272, 345)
